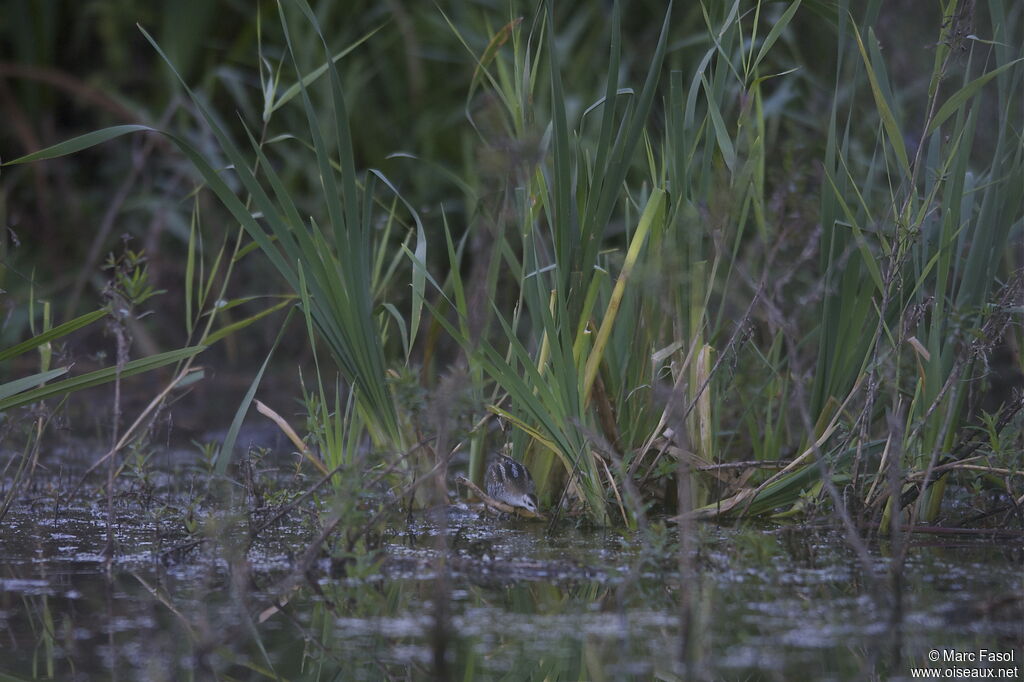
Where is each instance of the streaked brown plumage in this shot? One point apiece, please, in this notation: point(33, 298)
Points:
point(510, 482)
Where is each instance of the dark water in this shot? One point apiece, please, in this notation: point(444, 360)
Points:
point(510, 600)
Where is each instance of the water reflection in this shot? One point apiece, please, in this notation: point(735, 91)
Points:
point(521, 603)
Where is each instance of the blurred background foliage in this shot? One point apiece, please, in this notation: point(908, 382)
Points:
point(71, 67)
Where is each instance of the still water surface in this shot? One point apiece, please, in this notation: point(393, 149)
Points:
point(510, 600)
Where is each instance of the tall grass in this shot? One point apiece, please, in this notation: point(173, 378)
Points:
point(659, 263)
point(909, 251)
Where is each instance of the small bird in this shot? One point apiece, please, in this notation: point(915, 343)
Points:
point(510, 482)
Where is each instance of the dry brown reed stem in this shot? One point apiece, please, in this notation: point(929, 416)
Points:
point(680, 384)
point(751, 464)
point(292, 436)
point(739, 332)
point(746, 497)
point(917, 475)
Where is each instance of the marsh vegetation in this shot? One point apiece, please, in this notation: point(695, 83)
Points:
point(739, 284)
